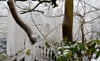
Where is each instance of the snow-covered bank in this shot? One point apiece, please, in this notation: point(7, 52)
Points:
point(3, 19)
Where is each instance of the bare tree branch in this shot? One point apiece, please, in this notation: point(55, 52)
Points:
point(40, 2)
point(91, 5)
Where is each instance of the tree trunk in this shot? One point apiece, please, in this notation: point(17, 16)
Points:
point(20, 22)
point(68, 21)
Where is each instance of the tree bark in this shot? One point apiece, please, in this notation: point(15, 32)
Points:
point(20, 22)
point(68, 21)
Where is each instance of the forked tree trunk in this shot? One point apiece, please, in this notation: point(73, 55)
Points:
point(68, 20)
point(20, 22)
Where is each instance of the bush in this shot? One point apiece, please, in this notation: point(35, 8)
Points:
point(65, 51)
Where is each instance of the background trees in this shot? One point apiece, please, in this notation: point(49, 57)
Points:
point(67, 23)
point(67, 26)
